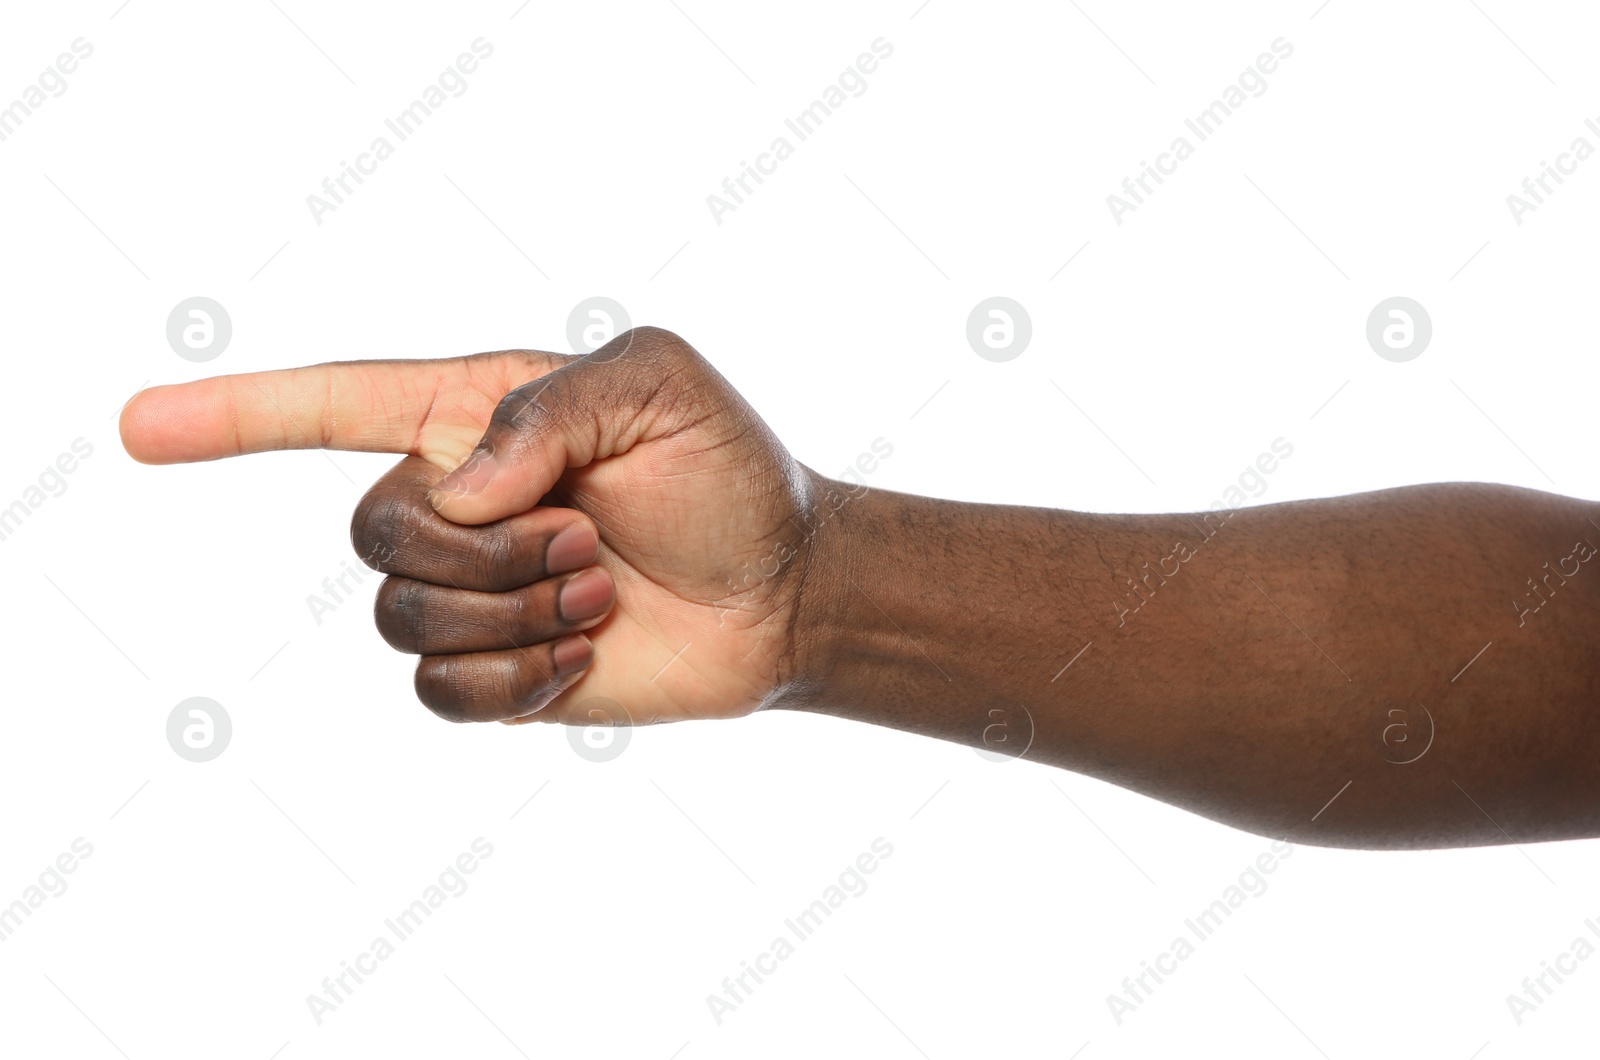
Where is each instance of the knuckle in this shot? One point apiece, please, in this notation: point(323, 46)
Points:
point(663, 372)
point(529, 708)
point(485, 688)
point(401, 614)
point(541, 672)
point(514, 609)
point(496, 559)
point(528, 679)
point(662, 350)
point(523, 405)
point(651, 339)
point(383, 522)
point(436, 682)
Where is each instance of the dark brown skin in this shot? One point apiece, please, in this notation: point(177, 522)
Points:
point(1346, 672)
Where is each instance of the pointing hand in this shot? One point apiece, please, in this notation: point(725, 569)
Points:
point(563, 531)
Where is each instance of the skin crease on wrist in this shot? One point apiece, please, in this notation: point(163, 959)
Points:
point(623, 529)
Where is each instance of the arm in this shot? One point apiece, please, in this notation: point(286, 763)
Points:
point(621, 535)
point(1247, 666)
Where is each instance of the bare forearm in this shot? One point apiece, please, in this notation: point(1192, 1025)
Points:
point(1249, 666)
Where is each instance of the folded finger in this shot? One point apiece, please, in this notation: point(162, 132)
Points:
point(427, 619)
point(395, 530)
point(496, 685)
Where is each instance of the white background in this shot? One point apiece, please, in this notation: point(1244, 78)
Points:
point(1225, 312)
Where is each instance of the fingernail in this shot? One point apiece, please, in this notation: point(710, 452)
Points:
point(572, 549)
point(572, 655)
point(585, 595)
point(472, 476)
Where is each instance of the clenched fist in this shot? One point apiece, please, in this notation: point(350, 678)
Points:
point(563, 529)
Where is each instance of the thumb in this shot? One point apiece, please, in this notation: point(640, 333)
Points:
point(596, 407)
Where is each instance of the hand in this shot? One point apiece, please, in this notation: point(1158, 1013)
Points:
point(639, 459)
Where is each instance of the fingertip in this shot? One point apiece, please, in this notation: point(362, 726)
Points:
point(458, 496)
point(140, 428)
point(473, 475)
point(572, 549)
point(586, 596)
point(572, 654)
point(467, 509)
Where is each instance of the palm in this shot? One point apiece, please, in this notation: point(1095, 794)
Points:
point(698, 630)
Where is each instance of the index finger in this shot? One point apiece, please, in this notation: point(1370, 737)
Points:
point(435, 409)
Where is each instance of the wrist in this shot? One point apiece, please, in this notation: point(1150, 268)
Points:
point(836, 556)
point(923, 615)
